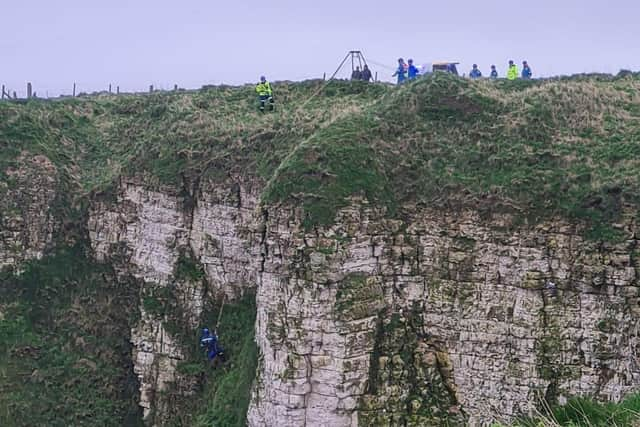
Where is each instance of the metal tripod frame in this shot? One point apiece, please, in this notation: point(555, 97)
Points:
point(356, 56)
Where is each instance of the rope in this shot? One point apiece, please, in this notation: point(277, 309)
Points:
point(360, 58)
point(319, 90)
point(377, 64)
point(314, 94)
point(224, 298)
point(327, 83)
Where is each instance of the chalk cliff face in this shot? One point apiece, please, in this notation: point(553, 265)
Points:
point(372, 321)
point(441, 315)
point(145, 233)
point(378, 255)
point(27, 199)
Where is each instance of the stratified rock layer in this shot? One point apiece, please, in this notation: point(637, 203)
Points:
point(144, 233)
point(439, 316)
point(27, 198)
point(488, 318)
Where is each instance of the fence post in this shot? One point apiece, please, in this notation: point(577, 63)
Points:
point(29, 88)
point(109, 87)
point(376, 78)
point(150, 88)
point(2, 91)
point(324, 76)
point(15, 95)
point(117, 90)
point(175, 88)
point(74, 89)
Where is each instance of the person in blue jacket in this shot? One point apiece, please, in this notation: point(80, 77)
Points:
point(412, 70)
point(475, 72)
point(209, 342)
point(526, 70)
point(401, 72)
point(494, 72)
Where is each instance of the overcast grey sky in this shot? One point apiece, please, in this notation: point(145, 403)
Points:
point(135, 43)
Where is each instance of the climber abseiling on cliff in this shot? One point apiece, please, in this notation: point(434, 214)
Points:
point(265, 93)
point(209, 342)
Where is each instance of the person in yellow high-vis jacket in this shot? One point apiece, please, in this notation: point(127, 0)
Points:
point(265, 93)
point(512, 72)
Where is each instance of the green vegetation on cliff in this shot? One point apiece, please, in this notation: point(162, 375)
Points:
point(65, 359)
point(208, 133)
point(538, 149)
point(224, 392)
point(566, 147)
point(227, 391)
point(584, 412)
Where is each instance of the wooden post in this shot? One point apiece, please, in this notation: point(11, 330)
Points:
point(2, 91)
point(15, 95)
point(74, 89)
point(150, 88)
point(376, 78)
point(117, 90)
point(324, 76)
point(109, 87)
point(175, 88)
point(29, 89)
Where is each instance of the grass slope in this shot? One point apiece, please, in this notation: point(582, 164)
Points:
point(212, 132)
point(584, 412)
point(566, 147)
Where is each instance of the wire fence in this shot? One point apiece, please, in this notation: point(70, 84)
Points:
point(7, 94)
point(33, 92)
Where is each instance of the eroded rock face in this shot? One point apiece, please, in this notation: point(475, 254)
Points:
point(383, 322)
point(27, 198)
point(151, 235)
point(487, 318)
point(141, 233)
point(223, 237)
point(368, 322)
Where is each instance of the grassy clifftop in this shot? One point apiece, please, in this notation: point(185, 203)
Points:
point(539, 148)
point(565, 147)
point(208, 133)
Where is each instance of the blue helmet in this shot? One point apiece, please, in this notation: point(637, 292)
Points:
point(205, 331)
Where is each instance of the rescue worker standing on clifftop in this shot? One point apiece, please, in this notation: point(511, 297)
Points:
point(265, 93)
point(412, 71)
point(366, 73)
point(512, 71)
point(401, 72)
point(494, 72)
point(475, 72)
point(526, 70)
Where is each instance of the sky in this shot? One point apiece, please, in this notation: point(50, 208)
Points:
point(137, 43)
